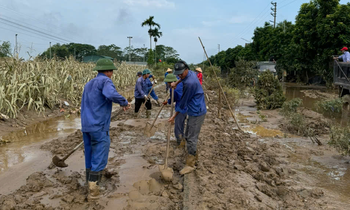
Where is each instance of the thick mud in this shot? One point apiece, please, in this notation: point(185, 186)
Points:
point(263, 167)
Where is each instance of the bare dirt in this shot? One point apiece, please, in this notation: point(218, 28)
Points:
point(262, 168)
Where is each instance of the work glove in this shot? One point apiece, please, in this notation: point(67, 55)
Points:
point(146, 97)
point(155, 81)
point(165, 103)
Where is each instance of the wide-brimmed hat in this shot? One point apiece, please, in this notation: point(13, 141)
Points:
point(146, 71)
point(104, 64)
point(344, 48)
point(139, 73)
point(199, 69)
point(170, 78)
point(169, 70)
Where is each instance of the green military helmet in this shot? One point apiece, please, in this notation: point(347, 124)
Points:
point(170, 78)
point(104, 64)
point(146, 71)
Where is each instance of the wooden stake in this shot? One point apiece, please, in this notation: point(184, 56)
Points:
point(217, 79)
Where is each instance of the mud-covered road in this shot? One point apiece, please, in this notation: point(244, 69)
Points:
point(262, 168)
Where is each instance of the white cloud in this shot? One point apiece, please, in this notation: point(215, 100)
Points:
point(151, 3)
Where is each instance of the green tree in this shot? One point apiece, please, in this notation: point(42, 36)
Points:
point(110, 50)
point(150, 60)
point(5, 49)
point(167, 54)
point(150, 22)
point(156, 34)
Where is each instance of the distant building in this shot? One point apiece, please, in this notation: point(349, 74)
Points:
point(94, 58)
point(267, 65)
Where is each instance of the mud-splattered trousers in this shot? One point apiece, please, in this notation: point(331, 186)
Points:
point(193, 128)
point(96, 145)
point(179, 128)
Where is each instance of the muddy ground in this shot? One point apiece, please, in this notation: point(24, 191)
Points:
point(261, 167)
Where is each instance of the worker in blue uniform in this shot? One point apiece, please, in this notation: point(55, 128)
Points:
point(149, 87)
point(96, 107)
point(193, 100)
point(141, 93)
point(180, 118)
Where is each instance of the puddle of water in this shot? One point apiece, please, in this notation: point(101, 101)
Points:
point(263, 132)
point(16, 152)
point(291, 91)
point(335, 178)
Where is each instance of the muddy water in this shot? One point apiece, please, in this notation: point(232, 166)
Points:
point(21, 143)
point(293, 91)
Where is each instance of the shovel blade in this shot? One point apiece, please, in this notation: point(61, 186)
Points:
point(148, 131)
point(58, 162)
point(167, 173)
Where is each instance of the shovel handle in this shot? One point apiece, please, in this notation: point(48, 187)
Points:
point(71, 152)
point(169, 129)
point(144, 104)
point(154, 121)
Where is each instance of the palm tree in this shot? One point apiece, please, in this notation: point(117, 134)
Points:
point(149, 22)
point(156, 34)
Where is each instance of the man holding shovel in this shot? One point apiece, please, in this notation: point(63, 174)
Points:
point(149, 87)
point(141, 93)
point(96, 108)
point(193, 100)
point(181, 114)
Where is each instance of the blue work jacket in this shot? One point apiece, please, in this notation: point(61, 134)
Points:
point(96, 104)
point(140, 88)
point(177, 98)
point(149, 87)
point(192, 96)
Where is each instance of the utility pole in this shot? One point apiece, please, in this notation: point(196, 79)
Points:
point(129, 37)
point(144, 56)
point(218, 48)
point(50, 50)
point(16, 47)
point(274, 12)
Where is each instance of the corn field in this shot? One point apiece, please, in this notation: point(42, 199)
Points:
point(37, 85)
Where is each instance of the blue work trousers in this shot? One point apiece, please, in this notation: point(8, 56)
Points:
point(96, 146)
point(179, 129)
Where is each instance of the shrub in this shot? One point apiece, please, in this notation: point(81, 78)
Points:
point(340, 139)
point(330, 108)
point(291, 106)
point(243, 75)
point(268, 92)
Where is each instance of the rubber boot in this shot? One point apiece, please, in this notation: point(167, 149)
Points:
point(94, 191)
point(182, 144)
point(148, 113)
point(190, 165)
point(87, 174)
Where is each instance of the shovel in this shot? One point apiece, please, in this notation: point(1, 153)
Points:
point(150, 130)
point(60, 162)
point(167, 173)
point(144, 104)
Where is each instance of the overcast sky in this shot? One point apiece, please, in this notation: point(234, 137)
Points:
point(223, 22)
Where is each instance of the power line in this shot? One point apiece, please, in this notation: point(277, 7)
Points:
point(47, 37)
point(251, 24)
point(287, 4)
point(29, 28)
